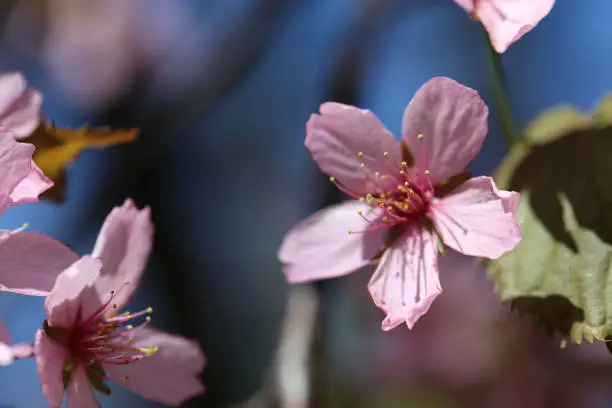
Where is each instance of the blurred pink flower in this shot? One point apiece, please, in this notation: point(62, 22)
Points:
point(401, 207)
point(19, 106)
point(94, 51)
point(87, 339)
point(6, 354)
point(507, 20)
point(10, 352)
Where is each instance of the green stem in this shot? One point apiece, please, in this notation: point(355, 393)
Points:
point(500, 92)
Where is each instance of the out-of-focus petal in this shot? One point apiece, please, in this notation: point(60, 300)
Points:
point(123, 247)
point(452, 120)
point(6, 353)
point(169, 376)
point(508, 20)
point(406, 282)
point(23, 116)
point(337, 136)
point(477, 219)
point(321, 247)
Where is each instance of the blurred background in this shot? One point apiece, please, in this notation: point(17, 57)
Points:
point(222, 90)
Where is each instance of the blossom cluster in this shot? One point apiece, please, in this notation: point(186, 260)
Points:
point(87, 338)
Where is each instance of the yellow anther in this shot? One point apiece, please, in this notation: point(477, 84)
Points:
point(386, 154)
point(126, 282)
point(362, 165)
point(377, 174)
point(427, 172)
point(383, 177)
point(360, 212)
point(362, 199)
point(406, 183)
point(404, 164)
point(332, 179)
point(130, 340)
point(385, 219)
point(149, 310)
point(420, 136)
point(402, 172)
point(129, 327)
point(389, 208)
point(149, 351)
point(360, 154)
point(148, 318)
point(350, 231)
point(411, 191)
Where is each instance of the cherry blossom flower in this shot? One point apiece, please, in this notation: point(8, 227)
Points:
point(507, 20)
point(87, 340)
point(409, 195)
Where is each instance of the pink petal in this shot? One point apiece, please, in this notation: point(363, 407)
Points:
point(123, 247)
point(6, 352)
point(73, 292)
point(12, 87)
point(478, 219)
point(30, 262)
point(28, 189)
point(453, 121)
point(6, 355)
point(320, 246)
point(16, 164)
point(406, 281)
point(50, 358)
point(23, 116)
point(339, 133)
point(79, 393)
point(508, 20)
point(169, 376)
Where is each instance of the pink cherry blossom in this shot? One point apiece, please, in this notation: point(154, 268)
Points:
point(87, 340)
point(410, 194)
point(507, 20)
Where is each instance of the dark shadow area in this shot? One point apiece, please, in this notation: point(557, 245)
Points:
point(553, 313)
point(577, 166)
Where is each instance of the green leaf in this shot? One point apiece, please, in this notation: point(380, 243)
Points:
point(560, 272)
